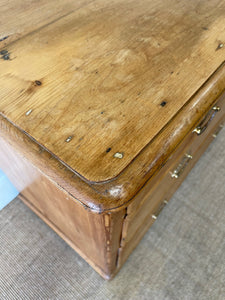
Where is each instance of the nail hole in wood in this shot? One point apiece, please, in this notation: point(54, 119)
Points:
point(108, 150)
point(3, 52)
point(38, 82)
point(163, 103)
point(6, 57)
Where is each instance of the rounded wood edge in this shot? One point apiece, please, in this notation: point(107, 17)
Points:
point(114, 194)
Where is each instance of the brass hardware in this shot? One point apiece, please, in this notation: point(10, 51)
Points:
point(218, 130)
point(208, 118)
point(155, 216)
point(216, 108)
point(197, 130)
point(180, 168)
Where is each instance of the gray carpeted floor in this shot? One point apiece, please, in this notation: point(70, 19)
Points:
point(181, 257)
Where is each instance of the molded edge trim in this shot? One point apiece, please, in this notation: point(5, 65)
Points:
point(116, 193)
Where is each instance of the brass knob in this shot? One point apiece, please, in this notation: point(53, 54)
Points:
point(216, 108)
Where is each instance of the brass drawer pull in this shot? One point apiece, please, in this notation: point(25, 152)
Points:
point(155, 216)
point(208, 118)
point(180, 168)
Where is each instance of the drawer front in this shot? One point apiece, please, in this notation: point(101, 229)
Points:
point(155, 195)
point(180, 160)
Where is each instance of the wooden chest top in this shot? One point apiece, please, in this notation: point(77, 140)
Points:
point(95, 82)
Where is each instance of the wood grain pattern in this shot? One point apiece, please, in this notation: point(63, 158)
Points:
point(149, 200)
point(19, 18)
point(98, 101)
point(119, 192)
point(104, 240)
point(96, 237)
point(110, 98)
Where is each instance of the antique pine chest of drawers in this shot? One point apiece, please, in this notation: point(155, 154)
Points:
point(105, 106)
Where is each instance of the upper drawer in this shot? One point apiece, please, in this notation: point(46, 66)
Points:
point(153, 197)
point(181, 159)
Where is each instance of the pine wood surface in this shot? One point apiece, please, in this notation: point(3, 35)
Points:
point(86, 80)
point(98, 101)
point(119, 192)
point(96, 237)
point(104, 240)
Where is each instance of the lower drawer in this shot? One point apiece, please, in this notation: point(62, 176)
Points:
point(142, 213)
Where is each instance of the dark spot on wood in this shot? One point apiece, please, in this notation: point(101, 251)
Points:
point(163, 103)
point(3, 52)
point(96, 72)
point(122, 101)
point(205, 28)
point(38, 82)
point(102, 112)
point(171, 72)
point(4, 38)
point(80, 139)
point(6, 57)
point(139, 94)
point(108, 150)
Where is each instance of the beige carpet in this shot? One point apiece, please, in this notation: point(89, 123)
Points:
point(181, 257)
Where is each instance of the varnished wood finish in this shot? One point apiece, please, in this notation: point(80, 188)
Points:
point(133, 229)
point(104, 240)
point(117, 193)
point(96, 237)
point(81, 81)
point(148, 201)
point(109, 98)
